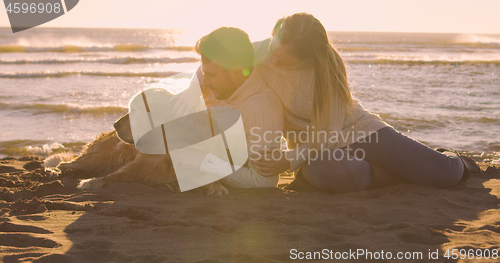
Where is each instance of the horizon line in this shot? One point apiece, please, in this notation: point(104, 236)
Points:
point(186, 29)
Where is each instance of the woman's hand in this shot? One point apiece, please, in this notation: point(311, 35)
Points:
point(270, 162)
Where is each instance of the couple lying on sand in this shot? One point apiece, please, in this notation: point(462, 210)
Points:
point(295, 84)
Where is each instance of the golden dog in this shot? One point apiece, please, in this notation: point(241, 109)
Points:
point(112, 157)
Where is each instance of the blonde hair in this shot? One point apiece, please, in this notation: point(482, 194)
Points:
point(306, 38)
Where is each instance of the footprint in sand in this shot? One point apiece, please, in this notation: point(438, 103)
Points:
point(26, 240)
point(494, 228)
point(94, 244)
point(9, 227)
point(18, 257)
point(200, 211)
point(134, 214)
point(325, 236)
point(270, 208)
point(32, 217)
point(54, 258)
point(7, 169)
point(422, 237)
point(96, 251)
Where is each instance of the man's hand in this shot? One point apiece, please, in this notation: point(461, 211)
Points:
point(216, 189)
point(270, 162)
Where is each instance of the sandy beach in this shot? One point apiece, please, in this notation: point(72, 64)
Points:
point(429, 69)
point(50, 220)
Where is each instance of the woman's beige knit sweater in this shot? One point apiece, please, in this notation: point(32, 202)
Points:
point(295, 88)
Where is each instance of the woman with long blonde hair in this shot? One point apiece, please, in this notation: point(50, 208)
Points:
point(336, 145)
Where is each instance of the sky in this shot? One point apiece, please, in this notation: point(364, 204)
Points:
point(257, 17)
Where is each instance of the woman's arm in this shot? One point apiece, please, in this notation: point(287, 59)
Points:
point(272, 162)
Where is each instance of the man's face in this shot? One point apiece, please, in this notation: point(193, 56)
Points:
point(218, 80)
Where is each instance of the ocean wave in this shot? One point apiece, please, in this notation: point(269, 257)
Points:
point(118, 60)
point(138, 60)
point(35, 147)
point(77, 49)
point(182, 60)
point(129, 47)
point(40, 108)
point(412, 123)
point(89, 73)
point(427, 39)
point(478, 39)
point(484, 120)
point(422, 61)
point(483, 107)
point(423, 123)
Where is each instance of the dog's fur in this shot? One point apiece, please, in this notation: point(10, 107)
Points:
point(112, 157)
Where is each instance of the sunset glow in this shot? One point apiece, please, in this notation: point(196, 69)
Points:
point(257, 17)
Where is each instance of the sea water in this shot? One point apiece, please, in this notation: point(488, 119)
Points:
point(61, 87)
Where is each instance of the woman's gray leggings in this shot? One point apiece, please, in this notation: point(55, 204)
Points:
point(386, 158)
